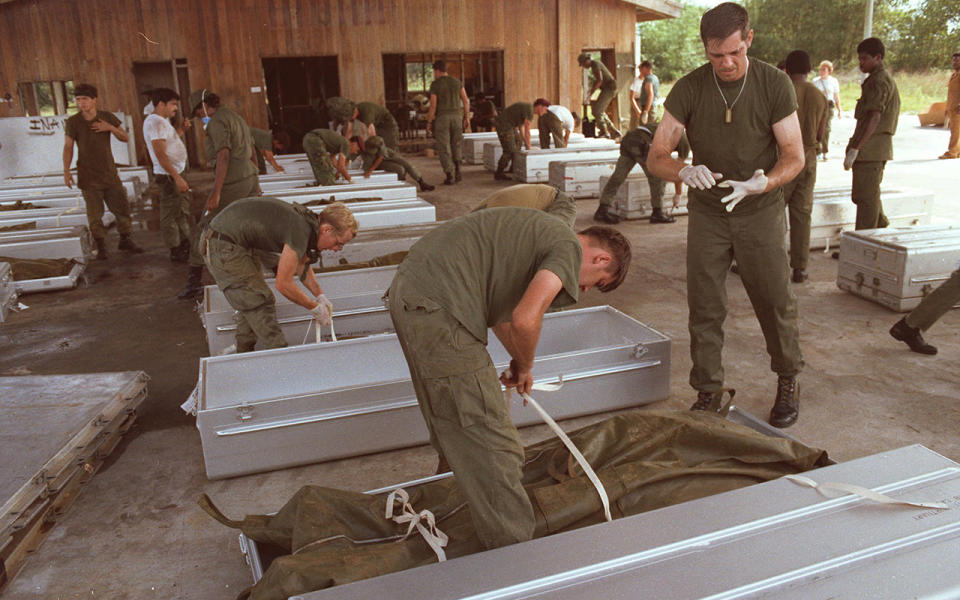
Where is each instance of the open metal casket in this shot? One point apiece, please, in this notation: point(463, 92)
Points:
point(45, 218)
point(289, 406)
point(283, 181)
point(396, 190)
point(8, 291)
point(76, 248)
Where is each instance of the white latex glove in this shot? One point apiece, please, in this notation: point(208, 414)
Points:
point(849, 159)
point(323, 311)
point(699, 176)
point(741, 189)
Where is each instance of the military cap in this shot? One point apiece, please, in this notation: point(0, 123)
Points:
point(196, 97)
point(340, 109)
point(582, 58)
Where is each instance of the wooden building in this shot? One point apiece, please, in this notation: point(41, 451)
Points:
point(273, 59)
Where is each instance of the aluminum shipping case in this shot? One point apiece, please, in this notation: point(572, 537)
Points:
point(389, 191)
point(775, 539)
point(282, 181)
point(492, 151)
point(8, 291)
point(52, 188)
point(64, 247)
point(898, 266)
point(125, 174)
point(368, 245)
point(46, 218)
point(833, 212)
point(533, 166)
point(357, 304)
point(289, 406)
point(581, 178)
point(390, 213)
point(473, 144)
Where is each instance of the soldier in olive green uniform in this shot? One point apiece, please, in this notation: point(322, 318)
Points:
point(97, 177)
point(517, 115)
point(871, 145)
point(448, 117)
point(265, 144)
point(633, 151)
point(322, 147)
point(236, 237)
point(534, 195)
point(228, 142)
point(812, 112)
point(500, 268)
point(605, 82)
point(376, 155)
point(926, 314)
point(740, 117)
point(378, 119)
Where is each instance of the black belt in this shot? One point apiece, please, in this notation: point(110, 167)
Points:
point(216, 235)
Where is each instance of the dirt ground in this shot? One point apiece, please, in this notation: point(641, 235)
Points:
point(136, 532)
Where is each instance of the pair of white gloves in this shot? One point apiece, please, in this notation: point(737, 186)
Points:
point(323, 311)
point(702, 178)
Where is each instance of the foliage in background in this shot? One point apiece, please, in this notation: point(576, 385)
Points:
point(673, 45)
point(927, 37)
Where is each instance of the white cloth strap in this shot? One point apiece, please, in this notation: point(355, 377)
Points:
point(832, 489)
point(319, 333)
point(424, 522)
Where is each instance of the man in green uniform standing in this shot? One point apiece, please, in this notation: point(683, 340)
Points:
point(449, 115)
point(376, 155)
point(516, 116)
point(501, 268)
point(97, 177)
point(327, 152)
point(604, 81)
point(812, 112)
point(740, 115)
point(922, 318)
point(254, 225)
point(643, 95)
point(871, 145)
point(378, 119)
point(229, 143)
point(265, 144)
point(634, 148)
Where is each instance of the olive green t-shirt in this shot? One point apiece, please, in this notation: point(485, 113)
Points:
point(447, 90)
point(811, 110)
point(479, 265)
point(879, 92)
point(515, 114)
point(266, 224)
point(534, 195)
point(333, 142)
point(370, 113)
point(636, 143)
point(373, 148)
point(227, 129)
point(95, 167)
point(262, 139)
point(738, 148)
point(601, 72)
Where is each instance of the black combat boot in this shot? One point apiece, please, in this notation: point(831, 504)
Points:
point(424, 186)
point(127, 245)
point(449, 179)
point(786, 406)
point(182, 251)
point(710, 401)
point(659, 217)
point(501, 176)
point(194, 288)
point(799, 275)
point(911, 337)
point(457, 177)
point(101, 248)
point(604, 215)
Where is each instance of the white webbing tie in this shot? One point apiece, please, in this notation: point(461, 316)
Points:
point(587, 469)
point(319, 333)
point(67, 212)
point(831, 490)
point(424, 522)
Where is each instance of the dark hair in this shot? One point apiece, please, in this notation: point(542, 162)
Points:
point(212, 100)
point(798, 62)
point(282, 137)
point(85, 89)
point(646, 63)
point(354, 139)
point(163, 95)
point(872, 46)
point(541, 102)
point(722, 21)
point(440, 65)
point(618, 246)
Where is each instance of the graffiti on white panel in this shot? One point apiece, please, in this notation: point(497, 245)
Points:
point(45, 125)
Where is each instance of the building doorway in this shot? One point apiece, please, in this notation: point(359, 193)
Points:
point(407, 79)
point(170, 74)
point(297, 88)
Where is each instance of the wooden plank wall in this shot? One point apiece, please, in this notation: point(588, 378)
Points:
point(224, 40)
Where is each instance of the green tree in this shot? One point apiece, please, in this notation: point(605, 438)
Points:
point(926, 37)
point(673, 45)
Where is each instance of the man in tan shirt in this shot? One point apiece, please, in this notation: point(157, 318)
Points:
point(953, 110)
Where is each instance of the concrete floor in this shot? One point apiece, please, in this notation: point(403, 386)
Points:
point(135, 532)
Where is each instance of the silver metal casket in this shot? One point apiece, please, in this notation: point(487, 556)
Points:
point(581, 178)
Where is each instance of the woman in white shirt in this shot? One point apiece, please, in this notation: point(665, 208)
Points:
point(830, 88)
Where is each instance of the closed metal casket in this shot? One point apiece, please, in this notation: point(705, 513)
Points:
point(289, 406)
point(581, 178)
point(898, 266)
point(533, 166)
point(396, 190)
point(473, 144)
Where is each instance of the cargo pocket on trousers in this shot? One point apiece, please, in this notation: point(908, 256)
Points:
point(468, 399)
point(248, 298)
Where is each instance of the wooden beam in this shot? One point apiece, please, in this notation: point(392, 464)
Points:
point(652, 10)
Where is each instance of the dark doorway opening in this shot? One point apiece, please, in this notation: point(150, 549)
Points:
point(608, 58)
point(168, 74)
point(407, 79)
point(297, 90)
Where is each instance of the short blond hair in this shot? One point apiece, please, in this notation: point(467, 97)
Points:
point(338, 216)
point(827, 64)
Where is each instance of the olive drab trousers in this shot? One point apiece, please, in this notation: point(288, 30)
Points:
point(469, 421)
point(116, 200)
point(448, 131)
point(174, 208)
point(798, 195)
point(936, 304)
point(321, 162)
point(244, 188)
point(624, 166)
point(756, 240)
point(599, 108)
point(239, 276)
point(867, 177)
point(510, 142)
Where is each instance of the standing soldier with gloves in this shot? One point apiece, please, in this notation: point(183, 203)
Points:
point(740, 115)
point(235, 236)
